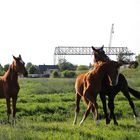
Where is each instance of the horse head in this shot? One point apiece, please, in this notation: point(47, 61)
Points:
point(112, 70)
point(99, 54)
point(19, 66)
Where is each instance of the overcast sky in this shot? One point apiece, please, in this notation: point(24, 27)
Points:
point(33, 28)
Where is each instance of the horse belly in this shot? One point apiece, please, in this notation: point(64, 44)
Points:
point(1, 92)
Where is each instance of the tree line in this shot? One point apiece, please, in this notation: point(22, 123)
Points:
point(66, 69)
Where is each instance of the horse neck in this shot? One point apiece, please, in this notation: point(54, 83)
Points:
point(95, 59)
point(99, 72)
point(11, 74)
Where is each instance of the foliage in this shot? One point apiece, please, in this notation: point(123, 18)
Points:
point(82, 67)
point(55, 74)
point(138, 58)
point(1, 70)
point(6, 66)
point(131, 73)
point(68, 74)
point(28, 65)
point(64, 65)
point(33, 70)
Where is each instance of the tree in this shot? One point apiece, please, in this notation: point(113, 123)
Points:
point(6, 67)
point(64, 65)
point(28, 65)
point(55, 74)
point(33, 70)
point(1, 70)
point(138, 58)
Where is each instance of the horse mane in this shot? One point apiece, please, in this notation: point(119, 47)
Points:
point(97, 67)
point(10, 73)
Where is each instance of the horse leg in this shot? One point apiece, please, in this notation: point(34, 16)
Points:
point(92, 106)
point(77, 109)
point(86, 113)
point(8, 108)
point(91, 96)
point(103, 99)
point(126, 94)
point(96, 113)
point(14, 100)
point(112, 107)
point(93, 111)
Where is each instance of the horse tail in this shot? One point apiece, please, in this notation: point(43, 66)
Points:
point(134, 92)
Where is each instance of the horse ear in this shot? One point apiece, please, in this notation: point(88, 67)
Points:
point(93, 49)
point(14, 57)
point(20, 56)
point(102, 47)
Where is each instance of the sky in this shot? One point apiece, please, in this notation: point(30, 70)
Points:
point(33, 28)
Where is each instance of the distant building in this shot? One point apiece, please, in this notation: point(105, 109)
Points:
point(44, 71)
point(47, 69)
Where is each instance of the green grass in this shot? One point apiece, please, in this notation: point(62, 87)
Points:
point(45, 111)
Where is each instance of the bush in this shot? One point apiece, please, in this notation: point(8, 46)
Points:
point(64, 65)
point(2, 73)
point(68, 74)
point(82, 67)
point(33, 70)
point(55, 74)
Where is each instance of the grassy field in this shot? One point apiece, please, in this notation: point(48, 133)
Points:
point(45, 111)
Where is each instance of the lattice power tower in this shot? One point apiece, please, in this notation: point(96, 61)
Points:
point(61, 51)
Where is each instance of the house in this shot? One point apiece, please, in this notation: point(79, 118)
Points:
point(45, 70)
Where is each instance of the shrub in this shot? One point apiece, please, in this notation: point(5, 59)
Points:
point(68, 74)
point(55, 74)
point(82, 67)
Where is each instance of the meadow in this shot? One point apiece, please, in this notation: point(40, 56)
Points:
point(45, 111)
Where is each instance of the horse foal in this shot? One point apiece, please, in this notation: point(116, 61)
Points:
point(9, 86)
point(88, 86)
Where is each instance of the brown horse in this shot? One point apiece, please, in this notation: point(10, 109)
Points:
point(88, 86)
point(9, 86)
point(111, 92)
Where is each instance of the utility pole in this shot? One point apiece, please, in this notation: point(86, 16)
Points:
point(111, 33)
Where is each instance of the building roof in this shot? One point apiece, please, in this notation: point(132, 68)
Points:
point(43, 68)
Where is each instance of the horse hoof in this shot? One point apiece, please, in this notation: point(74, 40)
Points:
point(116, 123)
point(108, 121)
point(80, 124)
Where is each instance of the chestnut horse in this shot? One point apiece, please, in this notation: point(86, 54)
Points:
point(9, 86)
point(111, 92)
point(88, 86)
